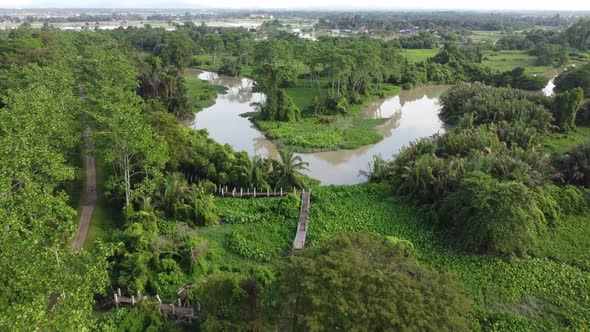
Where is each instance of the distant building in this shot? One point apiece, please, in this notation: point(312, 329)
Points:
point(409, 31)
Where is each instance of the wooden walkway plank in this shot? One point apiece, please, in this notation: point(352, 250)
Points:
point(301, 234)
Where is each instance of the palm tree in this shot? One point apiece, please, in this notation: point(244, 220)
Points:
point(258, 172)
point(287, 171)
point(201, 206)
point(377, 169)
point(175, 189)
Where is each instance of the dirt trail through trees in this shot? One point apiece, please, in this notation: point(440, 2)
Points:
point(90, 198)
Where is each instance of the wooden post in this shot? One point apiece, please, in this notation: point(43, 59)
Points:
point(248, 191)
point(225, 188)
point(119, 291)
point(132, 300)
point(254, 192)
point(267, 192)
point(241, 192)
point(116, 301)
point(281, 192)
point(233, 193)
point(221, 191)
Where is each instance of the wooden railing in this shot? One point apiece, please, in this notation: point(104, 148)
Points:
point(301, 234)
point(174, 310)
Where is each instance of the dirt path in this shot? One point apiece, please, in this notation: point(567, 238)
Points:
point(90, 198)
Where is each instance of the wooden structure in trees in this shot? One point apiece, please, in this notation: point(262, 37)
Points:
point(174, 310)
point(301, 233)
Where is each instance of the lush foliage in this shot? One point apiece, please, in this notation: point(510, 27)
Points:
point(524, 294)
point(51, 286)
point(578, 77)
point(361, 281)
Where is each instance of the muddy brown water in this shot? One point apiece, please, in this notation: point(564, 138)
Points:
point(410, 115)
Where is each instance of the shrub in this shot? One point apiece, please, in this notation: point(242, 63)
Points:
point(490, 216)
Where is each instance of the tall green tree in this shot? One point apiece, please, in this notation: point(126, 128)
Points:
point(123, 137)
point(51, 287)
point(362, 282)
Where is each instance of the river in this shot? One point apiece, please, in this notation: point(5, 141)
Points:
point(411, 115)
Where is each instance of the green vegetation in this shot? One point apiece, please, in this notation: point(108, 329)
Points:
point(560, 143)
point(476, 228)
point(329, 133)
point(361, 281)
point(105, 216)
point(533, 293)
point(201, 94)
point(480, 36)
point(419, 55)
point(578, 77)
point(510, 59)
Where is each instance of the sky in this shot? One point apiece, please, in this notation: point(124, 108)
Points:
point(553, 5)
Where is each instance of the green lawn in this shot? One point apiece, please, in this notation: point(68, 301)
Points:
point(508, 60)
point(417, 55)
point(560, 143)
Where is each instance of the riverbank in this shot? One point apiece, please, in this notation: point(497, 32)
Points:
point(202, 94)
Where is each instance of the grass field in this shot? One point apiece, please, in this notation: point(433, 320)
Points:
point(417, 55)
point(508, 60)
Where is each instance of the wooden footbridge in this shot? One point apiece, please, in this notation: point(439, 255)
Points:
point(174, 310)
point(301, 234)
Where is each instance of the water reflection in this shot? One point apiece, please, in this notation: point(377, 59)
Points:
point(223, 120)
point(411, 115)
